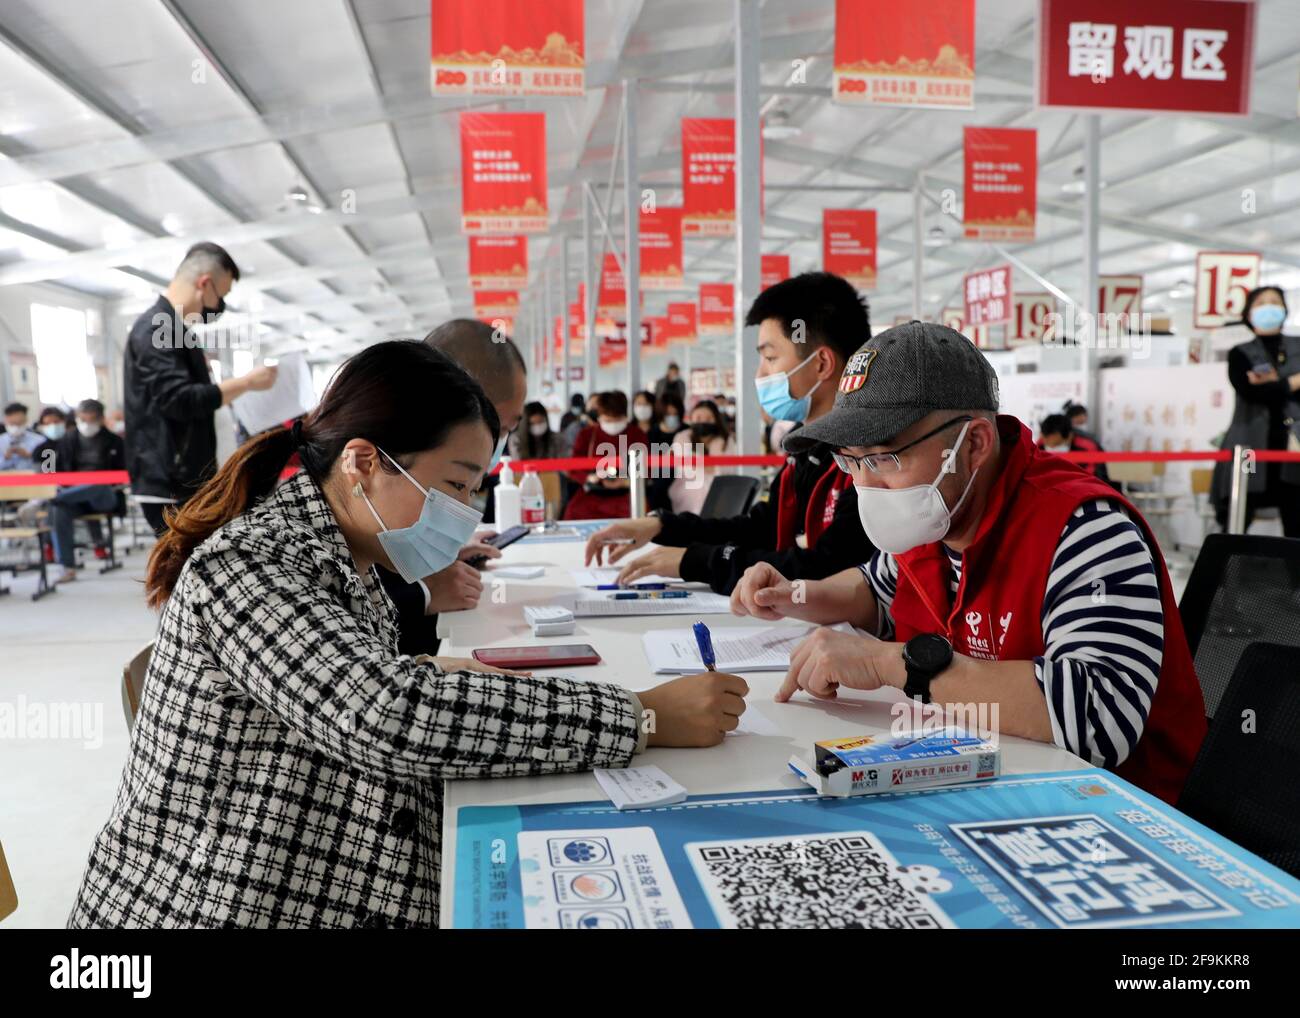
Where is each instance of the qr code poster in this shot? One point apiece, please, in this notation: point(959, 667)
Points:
point(817, 881)
point(1066, 850)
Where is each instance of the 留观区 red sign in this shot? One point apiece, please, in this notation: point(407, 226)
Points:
point(661, 249)
point(503, 172)
point(1000, 196)
point(988, 296)
point(708, 176)
point(498, 263)
point(849, 245)
point(504, 47)
point(1176, 56)
point(893, 54)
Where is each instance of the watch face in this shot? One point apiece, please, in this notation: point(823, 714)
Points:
point(929, 652)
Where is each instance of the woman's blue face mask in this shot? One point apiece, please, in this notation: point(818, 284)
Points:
point(432, 542)
point(1267, 318)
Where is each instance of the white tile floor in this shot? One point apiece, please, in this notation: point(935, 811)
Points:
point(61, 653)
point(68, 650)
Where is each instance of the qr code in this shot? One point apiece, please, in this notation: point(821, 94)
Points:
point(816, 881)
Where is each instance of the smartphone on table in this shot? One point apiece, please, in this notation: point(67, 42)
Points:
point(556, 656)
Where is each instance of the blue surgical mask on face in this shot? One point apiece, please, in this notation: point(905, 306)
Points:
point(1267, 317)
point(432, 542)
point(774, 395)
point(497, 452)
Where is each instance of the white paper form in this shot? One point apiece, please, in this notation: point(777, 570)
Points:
point(291, 395)
point(735, 649)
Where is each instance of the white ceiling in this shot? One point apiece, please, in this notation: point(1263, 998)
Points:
point(113, 157)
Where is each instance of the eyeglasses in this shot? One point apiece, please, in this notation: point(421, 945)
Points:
point(888, 462)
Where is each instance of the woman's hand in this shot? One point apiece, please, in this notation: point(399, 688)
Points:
point(456, 589)
point(1264, 377)
point(694, 710)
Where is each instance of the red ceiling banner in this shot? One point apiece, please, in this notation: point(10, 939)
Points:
point(1223, 278)
point(496, 303)
point(503, 172)
point(612, 350)
point(849, 245)
point(611, 297)
point(988, 296)
point(776, 268)
point(894, 54)
point(577, 334)
point(659, 331)
point(661, 249)
point(498, 263)
point(1159, 56)
point(504, 47)
point(1000, 183)
point(708, 176)
point(717, 309)
point(682, 322)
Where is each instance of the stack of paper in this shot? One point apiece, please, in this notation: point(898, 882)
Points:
point(737, 648)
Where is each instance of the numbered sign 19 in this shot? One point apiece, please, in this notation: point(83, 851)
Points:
point(1029, 313)
point(1223, 278)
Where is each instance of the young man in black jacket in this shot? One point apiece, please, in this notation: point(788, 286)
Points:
point(808, 327)
point(89, 446)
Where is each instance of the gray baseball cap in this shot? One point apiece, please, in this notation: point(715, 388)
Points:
point(896, 378)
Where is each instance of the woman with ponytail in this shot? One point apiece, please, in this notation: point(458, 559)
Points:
point(285, 761)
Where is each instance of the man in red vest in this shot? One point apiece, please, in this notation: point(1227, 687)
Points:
point(1002, 575)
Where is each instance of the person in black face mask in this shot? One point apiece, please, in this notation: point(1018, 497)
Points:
point(169, 394)
point(707, 434)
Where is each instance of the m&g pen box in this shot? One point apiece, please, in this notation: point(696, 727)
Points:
point(887, 763)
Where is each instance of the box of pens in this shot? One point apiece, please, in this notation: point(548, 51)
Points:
point(867, 764)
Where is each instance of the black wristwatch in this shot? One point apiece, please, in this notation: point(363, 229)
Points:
point(925, 657)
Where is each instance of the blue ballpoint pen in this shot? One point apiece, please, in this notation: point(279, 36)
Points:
point(705, 642)
point(637, 595)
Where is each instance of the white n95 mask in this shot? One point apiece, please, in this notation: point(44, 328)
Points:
point(899, 519)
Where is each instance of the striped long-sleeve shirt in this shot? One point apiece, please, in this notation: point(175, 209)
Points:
point(1103, 631)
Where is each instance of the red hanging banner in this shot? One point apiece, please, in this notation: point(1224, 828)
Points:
point(661, 249)
point(503, 172)
point(496, 303)
point(577, 334)
point(504, 47)
point(988, 296)
point(776, 268)
point(682, 322)
point(1159, 56)
point(708, 177)
point(611, 298)
point(498, 263)
point(1000, 197)
point(717, 309)
point(612, 349)
point(849, 245)
point(892, 54)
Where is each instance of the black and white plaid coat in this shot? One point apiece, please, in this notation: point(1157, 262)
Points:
point(286, 763)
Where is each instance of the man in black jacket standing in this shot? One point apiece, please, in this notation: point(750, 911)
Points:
point(808, 328)
point(171, 438)
point(88, 447)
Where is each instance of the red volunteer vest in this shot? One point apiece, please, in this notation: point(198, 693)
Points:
point(821, 505)
point(997, 614)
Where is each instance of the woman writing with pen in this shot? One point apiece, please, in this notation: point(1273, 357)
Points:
point(286, 761)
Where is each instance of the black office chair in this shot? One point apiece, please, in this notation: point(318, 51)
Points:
point(1243, 782)
point(729, 495)
point(1243, 589)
